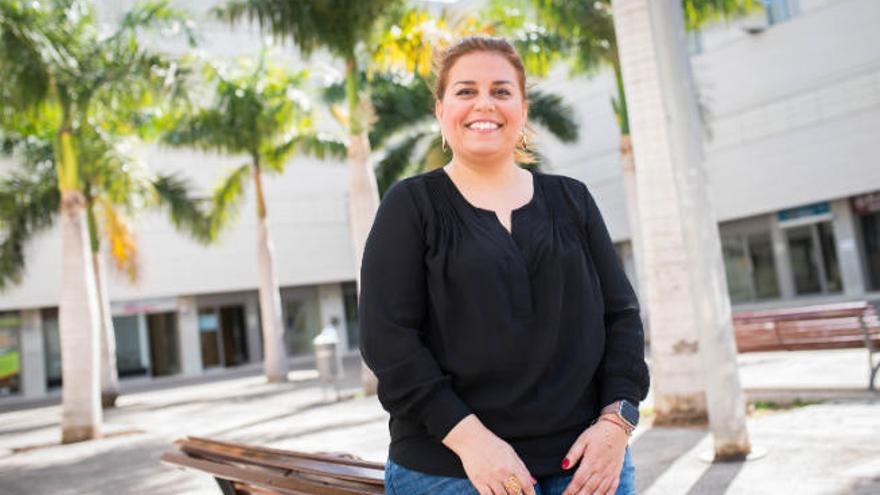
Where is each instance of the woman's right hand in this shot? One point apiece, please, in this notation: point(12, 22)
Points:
point(487, 459)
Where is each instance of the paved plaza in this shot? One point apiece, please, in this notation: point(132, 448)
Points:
point(829, 446)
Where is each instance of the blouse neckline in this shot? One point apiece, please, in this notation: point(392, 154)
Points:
point(485, 211)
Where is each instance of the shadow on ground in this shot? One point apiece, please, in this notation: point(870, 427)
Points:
point(128, 467)
point(655, 450)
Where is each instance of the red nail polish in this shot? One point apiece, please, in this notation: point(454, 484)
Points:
point(565, 464)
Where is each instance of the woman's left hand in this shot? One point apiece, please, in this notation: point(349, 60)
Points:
point(600, 448)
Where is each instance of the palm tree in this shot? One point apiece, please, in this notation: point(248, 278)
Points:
point(313, 25)
point(254, 114)
point(114, 186)
point(61, 70)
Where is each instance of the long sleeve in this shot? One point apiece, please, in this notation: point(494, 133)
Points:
point(623, 373)
point(392, 308)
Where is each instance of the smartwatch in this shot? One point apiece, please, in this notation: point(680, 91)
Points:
point(627, 412)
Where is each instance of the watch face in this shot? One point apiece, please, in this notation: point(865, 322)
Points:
point(629, 412)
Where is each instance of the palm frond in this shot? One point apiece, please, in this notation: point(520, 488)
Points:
point(337, 25)
point(397, 160)
point(227, 197)
point(551, 112)
point(317, 145)
point(23, 56)
point(399, 102)
point(188, 212)
point(121, 238)
point(29, 201)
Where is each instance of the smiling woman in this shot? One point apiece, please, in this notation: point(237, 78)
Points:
point(494, 310)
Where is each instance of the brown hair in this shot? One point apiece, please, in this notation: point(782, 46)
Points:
point(471, 44)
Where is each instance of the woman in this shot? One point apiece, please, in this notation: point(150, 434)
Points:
point(494, 311)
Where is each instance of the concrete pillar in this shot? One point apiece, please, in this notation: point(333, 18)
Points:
point(253, 330)
point(846, 241)
point(33, 356)
point(188, 333)
point(332, 305)
point(782, 260)
point(683, 261)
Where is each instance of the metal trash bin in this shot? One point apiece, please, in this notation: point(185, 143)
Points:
point(328, 359)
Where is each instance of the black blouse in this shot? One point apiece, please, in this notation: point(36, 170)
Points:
point(533, 330)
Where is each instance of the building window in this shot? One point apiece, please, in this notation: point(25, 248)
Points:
point(750, 268)
point(132, 346)
point(695, 42)
point(781, 10)
point(302, 319)
point(10, 353)
point(814, 259)
point(223, 336)
point(867, 208)
point(164, 349)
point(51, 347)
point(349, 297)
point(870, 225)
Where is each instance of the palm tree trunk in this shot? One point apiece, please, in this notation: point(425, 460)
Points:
point(362, 205)
point(693, 346)
point(628, 165)
point(363, 199)
point(274, 353)
point(109, 371)
point(79, 327)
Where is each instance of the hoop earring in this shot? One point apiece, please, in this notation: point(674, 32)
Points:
point(443, 141)
point(524, 140)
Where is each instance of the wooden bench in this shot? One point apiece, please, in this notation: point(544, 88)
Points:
point(243, 469)
point(827, 326)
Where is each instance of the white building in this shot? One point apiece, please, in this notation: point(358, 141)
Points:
point(793, 103)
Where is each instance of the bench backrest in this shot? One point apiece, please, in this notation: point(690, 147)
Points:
point(827, 326)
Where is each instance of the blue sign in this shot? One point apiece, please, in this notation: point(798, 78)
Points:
point(812, 210)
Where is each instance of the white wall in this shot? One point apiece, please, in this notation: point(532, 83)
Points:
point(794, 112)
point(796, 115)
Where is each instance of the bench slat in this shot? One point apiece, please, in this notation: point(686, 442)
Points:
point(270, 481)
point(288, 461)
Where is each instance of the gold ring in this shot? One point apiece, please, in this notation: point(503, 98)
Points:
point(513, 484)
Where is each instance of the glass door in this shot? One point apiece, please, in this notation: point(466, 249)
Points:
point(209, 329)
point(235, 349)
point(162, 328)
point(301, 320)
point(871, 238)
point(51, 347)
point(814, 259)
point(349, 297)
point(131, 346)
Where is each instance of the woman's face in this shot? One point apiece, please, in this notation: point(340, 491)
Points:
point(483, 110)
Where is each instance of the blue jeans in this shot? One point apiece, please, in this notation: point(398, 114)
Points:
point(403, 481)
